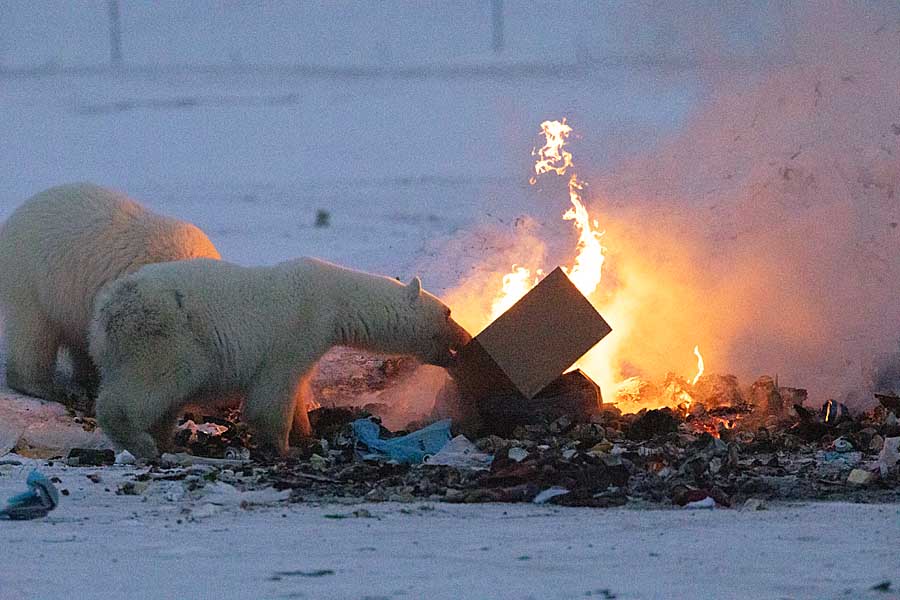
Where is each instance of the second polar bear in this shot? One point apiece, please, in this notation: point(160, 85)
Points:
point(56, 251)
point(188, 332)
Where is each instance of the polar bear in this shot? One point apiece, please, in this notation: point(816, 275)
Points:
point(188, 332)
point(56, 251)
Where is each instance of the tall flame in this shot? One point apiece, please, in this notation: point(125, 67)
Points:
point(699, 365)
point(585, 273)
point(588, 267)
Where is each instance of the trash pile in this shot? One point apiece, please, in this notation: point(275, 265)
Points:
point(728, 456)
point(727, 447)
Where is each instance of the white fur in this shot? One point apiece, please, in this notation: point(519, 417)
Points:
point(56, 251)
point(187, 332)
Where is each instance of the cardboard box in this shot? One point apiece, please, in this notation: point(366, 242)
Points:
point(533, 343)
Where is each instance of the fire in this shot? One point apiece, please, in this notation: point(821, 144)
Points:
point(585, 272)
point(551, 156)
point(699, 365)
point(587, 267)
point(713, 425)
point(516, 284)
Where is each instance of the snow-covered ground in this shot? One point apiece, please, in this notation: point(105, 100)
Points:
point(100, 545)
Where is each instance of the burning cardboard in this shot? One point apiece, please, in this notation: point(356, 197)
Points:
point(533, 342)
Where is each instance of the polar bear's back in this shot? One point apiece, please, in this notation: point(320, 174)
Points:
point(200, 310)
point(62, 245)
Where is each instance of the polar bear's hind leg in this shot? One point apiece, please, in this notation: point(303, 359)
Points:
point(32, 343)
point(84, 373)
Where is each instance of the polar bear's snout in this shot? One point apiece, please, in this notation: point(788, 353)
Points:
point(448, 343)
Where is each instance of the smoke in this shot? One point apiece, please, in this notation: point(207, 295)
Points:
point(482, 254)
point(767, 229)
point(411, 399)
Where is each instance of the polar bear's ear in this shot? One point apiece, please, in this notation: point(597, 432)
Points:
point(414, 289)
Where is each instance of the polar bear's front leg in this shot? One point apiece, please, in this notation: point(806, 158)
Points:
point(137, 407)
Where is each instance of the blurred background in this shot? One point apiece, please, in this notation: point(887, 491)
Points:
point(431, 107)
point(741, 156)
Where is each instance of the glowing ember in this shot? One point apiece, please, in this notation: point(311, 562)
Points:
point(699, 365)
point(586, 271)
point(713, 425)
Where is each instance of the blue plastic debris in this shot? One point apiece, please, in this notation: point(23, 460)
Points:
point(40, 499)
point(408, 449)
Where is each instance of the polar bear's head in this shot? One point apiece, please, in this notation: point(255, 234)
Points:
point(433, 336)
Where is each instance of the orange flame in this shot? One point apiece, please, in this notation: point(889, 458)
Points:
point(515, 285)
point(588, 267)
point(551, 156)
point(586, 271)
point(699, 365)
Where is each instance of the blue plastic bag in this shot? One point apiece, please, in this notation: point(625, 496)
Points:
point(409, 449)
point(40, 499)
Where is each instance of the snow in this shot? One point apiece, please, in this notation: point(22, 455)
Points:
point(100, 545)
point(410, 133)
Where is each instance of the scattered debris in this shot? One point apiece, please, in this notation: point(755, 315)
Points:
point(889, 455)
point(517, 454)
point(132, 488)
point(549, 494)
point(125, 458)
point(699, 504)
point(210, 429)
point(41, 497)
point(225, 494)
point(731, 446)
point(753, 504)
point(408, 449)
point(462, 454)
point(653, 423)
point(185, 460)
point(737, 455)
point(356, 514)
point(279, 575)
point(861, 477)
point(323, 218)
point(90, 457)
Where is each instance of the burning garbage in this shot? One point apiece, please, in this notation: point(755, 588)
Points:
point(512, 372)
point(538, 429)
